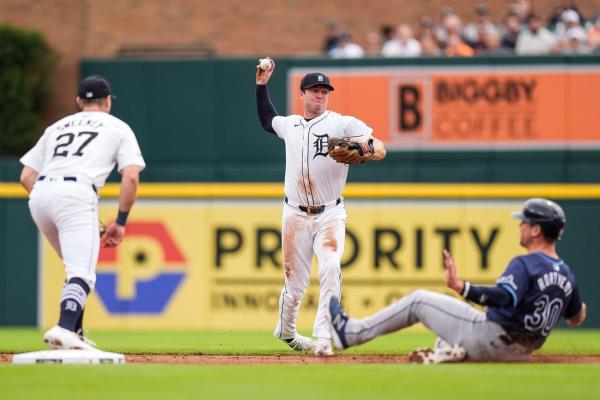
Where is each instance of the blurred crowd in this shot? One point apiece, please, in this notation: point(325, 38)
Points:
point(521, 32)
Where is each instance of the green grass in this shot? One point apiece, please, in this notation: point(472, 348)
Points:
point(18, 340)
point(146, 382)
point(312, 381)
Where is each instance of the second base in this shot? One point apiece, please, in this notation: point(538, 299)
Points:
point(69, 357)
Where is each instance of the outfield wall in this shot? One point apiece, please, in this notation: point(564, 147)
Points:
point(485, 119)
point(481, 122)
point(207, 256)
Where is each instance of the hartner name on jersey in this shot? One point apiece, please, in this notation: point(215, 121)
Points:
point(555, 279)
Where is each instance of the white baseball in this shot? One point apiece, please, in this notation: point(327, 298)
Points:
point(265, 64)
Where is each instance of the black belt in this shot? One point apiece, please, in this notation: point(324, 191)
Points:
point(314, 210)
point(68, 178)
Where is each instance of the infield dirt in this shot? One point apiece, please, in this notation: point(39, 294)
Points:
point(293, 359)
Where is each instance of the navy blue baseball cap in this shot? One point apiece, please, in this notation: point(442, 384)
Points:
point(94, 87)
point(314, 79)
point(545, 213)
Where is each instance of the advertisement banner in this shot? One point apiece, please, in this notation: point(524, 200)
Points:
point(208, 264)
point(468, 107)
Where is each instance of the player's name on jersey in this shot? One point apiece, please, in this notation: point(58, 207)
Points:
point(81, 122)
point(555, 279)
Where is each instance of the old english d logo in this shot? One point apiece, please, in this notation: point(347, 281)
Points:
point(320, 145)
point(142, 274)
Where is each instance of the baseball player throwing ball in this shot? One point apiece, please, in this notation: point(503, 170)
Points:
point(528, 300)
point(62, 174)
point(319, 147)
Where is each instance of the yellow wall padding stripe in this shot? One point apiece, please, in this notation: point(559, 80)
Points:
point(353, 190)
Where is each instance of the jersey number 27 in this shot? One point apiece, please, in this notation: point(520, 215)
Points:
point(61, 149)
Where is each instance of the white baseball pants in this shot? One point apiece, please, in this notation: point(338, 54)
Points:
point(303, 236)
point(66, 213)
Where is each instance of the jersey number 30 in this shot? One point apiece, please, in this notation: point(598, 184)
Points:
point(61, 149)
point(545, 316)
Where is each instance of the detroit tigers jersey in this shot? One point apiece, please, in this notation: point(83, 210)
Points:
point(311, 176)
point(87, 144)
point(543, 290)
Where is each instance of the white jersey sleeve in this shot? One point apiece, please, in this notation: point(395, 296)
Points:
point(129, 151)
point(279, 126)
point(356, 129)
point(34, 158)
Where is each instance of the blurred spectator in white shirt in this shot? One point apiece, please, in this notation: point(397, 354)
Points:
point(536, 39)
point(556, 18)
point(404, 44)
point(568, 19)
point(571, 36)
point(575, 42)
point(346, 48)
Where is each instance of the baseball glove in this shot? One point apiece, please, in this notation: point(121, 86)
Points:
point(347, 151)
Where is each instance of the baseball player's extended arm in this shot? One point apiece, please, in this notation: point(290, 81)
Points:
point(264, 107)
point(28, 178)
point(127, 194)
point(484, 295)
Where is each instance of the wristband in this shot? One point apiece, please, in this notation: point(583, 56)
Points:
point(466, 289)
point(122, 217)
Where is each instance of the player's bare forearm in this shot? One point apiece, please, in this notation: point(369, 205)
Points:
point(127, 194)
point(28, 178)
point(129, 185)
point(458, 285)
